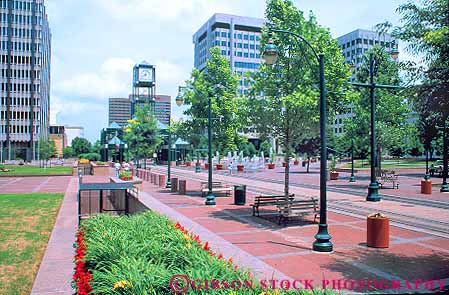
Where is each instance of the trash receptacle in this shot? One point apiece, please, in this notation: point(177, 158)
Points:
point(239, 194)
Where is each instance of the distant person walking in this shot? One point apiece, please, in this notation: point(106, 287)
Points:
point(117, 168)
point(230, 167)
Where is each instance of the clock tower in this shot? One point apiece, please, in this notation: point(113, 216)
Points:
point(144, 86)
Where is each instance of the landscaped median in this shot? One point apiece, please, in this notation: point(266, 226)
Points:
point(30, 170)
point(148, 254)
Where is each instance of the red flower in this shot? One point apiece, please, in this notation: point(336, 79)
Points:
point(82, 276)
point(206, 246)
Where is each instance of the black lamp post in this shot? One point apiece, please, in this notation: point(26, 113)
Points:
point(270, 55)
point(444, 186)
point(168, 183)
point(210, 198)
point(352, 178)
point(373, 188)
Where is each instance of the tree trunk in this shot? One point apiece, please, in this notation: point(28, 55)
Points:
point(287, 167)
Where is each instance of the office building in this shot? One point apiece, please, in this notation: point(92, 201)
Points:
point(72, 132)
point(353, 46)
point(162, 108)
point(25, 51)
point(58, 136)
point(119, 110)
point(237, 37)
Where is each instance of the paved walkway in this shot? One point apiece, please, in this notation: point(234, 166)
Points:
point(20, 185)
point(56, 269)
point(413, 255)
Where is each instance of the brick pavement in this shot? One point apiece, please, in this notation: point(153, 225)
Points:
point(20, 185)
point(412, 255)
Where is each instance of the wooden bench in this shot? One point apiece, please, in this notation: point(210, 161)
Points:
point(217, 187)
point(293, 208)
point(260, 201)
point(388, 177)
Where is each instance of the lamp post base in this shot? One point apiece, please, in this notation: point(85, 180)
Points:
point(352, 178)
point(444, 188)
point(210, 199)
point(322, 242)
point(168, 184)
point(373, 193)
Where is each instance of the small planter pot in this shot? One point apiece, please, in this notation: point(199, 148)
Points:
point(206, 166)
point(378, 231)
point(240, 168)
point(333, 175)
point(271, 166)
point(189, 164)
point(296, 162)
point(284, 164)
point(220, 166)
point(426, 187)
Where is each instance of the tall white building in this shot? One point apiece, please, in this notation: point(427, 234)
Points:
point(25, 51)
point(353, 46)
point(237, 37)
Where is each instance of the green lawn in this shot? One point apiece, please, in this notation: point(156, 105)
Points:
point(388, 164)
point(35, 170)
point(26, 221)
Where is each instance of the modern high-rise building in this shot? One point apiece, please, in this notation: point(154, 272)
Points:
point(237, 37)
point(119, 110)
point(25, 49)
point(353, 46)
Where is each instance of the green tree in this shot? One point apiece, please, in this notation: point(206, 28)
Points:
point(67, 152)
point(392, 109)
point(96, 148)
point(217, 82)
point(142, 134)
point(81, 146)
point(425, 29)
point(47, 150)
point(288, 108)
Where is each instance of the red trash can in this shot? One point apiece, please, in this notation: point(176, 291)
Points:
point(378, 231)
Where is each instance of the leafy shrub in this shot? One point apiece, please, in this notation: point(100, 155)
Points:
point(139, 254)
point(90, 156)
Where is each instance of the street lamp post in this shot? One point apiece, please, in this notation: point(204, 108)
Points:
point(352, 178)
point(168, 183)
point(373, 188)
point(210, 198)
point(322, 242)
point(444, 186)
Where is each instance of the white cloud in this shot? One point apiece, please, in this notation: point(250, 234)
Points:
point(112, 79)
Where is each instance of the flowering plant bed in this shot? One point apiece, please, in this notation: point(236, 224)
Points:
point(126, 175)
point(141, 254)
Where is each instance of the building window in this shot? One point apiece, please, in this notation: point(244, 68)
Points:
point(348, 44)
point(239, 36)
point(245, 55)
point(251, 55)
point(223, 43)
point(245, 46)
point(359, 41)
point(251, 37)
point(245, 37)
point(370, 42)
point(239, 54)
point(343, 46)
point(223, 34)
point(251, 46)
point(223, 52)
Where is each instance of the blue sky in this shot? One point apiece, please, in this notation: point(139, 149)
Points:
point(97, 42)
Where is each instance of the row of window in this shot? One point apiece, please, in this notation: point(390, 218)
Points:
point(246, 65)
point(240, 54)
point(239, 36)
point(19, 101)
point(21, 5)
point(20, 87)
point(368, 41)
point(20, 32)
point(20, 74)
point(238, 45)
point(20, 19)
point(18, 129)
point(20, 46)
point(19, 60)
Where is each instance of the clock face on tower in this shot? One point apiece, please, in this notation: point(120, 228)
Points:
point(145, 75)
